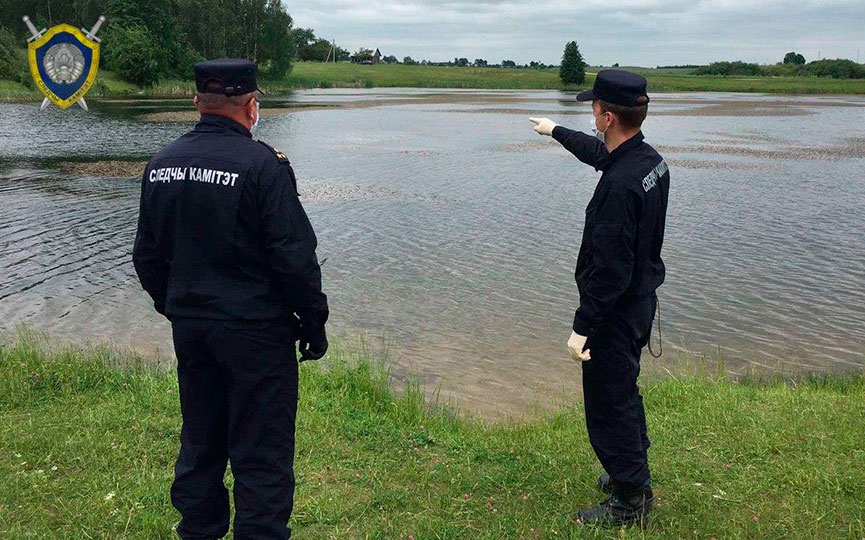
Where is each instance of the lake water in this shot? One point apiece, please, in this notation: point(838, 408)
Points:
point(451, 229)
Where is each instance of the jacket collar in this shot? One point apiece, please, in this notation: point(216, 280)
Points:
point(620, 151)
point(216, 122)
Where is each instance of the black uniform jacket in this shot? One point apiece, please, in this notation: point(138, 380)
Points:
point(620, 254)
point(222, 233)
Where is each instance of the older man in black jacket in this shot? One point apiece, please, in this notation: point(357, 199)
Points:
point(226, 252)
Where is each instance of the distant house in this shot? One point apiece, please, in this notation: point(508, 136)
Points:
point(376, 58)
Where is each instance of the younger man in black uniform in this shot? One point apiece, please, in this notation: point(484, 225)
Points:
point(227, 253)
point(618, 269)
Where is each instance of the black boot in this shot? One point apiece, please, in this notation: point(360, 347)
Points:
point(623, 508)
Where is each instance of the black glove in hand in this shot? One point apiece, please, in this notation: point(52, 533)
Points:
point(313, 342)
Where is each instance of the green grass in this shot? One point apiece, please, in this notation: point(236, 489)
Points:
point(315, 74)
point(13, 91)
point(664, 82)
point(88, 438)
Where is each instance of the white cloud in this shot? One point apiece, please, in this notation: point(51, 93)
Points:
point(631, 32)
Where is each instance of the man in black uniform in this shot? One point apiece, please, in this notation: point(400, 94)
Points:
point(618, 270)
point(227, 253)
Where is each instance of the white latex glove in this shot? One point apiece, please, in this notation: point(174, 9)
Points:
point(544, 126)
point(575, 346)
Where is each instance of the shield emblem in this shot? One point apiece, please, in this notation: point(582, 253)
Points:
point(63, 63)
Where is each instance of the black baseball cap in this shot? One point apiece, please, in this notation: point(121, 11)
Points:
point(617, 87)
point(229, 76)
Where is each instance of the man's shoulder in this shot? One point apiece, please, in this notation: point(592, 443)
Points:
point(641, 171)
point(272, 153)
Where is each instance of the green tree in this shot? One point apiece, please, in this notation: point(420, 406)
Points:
point(173, 34)
point(573, 68)
point(207, 28)
point(362, 55)
point(278, 47)
point(315, 49)
point(304, 39)
point(132, 54)
point(794, 58)
point(13, 58)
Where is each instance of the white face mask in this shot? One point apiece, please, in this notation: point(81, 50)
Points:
point(601, 135)
point(257, 118)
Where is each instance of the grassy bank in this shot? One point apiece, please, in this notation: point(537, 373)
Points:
point(312, 74)
point(89, 437)
point(345, 75)
point(315, 74)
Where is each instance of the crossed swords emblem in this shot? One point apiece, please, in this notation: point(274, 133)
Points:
point(36, 34)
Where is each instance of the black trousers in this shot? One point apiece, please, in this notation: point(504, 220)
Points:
point(238, 395)
point(615, 418)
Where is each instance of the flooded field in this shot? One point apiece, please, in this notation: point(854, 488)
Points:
point(451, 229)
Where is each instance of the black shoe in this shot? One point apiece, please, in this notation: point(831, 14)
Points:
point(620, 510)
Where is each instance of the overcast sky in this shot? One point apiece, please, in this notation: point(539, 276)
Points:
point(630, 32)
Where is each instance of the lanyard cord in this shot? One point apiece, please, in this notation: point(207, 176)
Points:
point(660, 336)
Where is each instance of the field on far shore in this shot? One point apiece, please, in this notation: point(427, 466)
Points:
point(90, 436)
point(346, 75)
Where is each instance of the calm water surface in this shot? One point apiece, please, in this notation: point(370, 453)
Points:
point(451, 229)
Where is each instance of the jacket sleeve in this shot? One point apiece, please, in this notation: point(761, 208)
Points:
point(586, 148)
point(151, 267)
point(290, 244)
point(612, 262)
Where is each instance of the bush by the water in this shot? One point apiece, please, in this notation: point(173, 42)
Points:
point(132, 54)
point(728, 69)
point(89, 437)
point(835, 69)
point(13, 58)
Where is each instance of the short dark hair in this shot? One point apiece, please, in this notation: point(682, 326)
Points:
point(629, 117)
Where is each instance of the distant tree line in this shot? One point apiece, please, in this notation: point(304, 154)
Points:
point(147, 40)
point(363, 54)
point(792, 66)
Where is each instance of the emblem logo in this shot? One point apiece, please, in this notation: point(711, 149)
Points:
point(63, 62)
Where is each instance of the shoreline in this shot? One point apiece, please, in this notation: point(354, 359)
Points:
point(521, 400)
point(314, 75)
point(90, 436)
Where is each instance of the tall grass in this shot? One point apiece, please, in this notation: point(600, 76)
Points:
point(89, 436)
